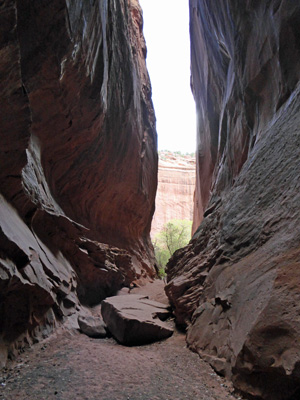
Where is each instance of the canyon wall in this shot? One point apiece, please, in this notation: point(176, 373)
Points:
point(78, 164)
point(236, 285)
point(175, 189)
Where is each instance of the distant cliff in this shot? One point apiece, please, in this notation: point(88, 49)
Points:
point(175, 191)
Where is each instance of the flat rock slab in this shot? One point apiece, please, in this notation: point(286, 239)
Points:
point(134, 319)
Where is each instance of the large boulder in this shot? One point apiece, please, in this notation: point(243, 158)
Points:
point(135, 320)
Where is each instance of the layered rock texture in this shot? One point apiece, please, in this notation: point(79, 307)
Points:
point(78, 160)
point(175, 190)
point(236, 285)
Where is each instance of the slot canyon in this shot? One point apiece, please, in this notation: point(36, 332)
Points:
point(78, 181)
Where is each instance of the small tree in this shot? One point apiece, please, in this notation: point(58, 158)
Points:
point(174, 235)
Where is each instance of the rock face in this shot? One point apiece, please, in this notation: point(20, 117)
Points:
point(135, 320)
point(175, 190)
point(78, 160)
point(237, 283)
point(92, 326)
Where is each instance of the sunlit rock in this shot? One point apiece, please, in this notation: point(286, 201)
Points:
point(175, 189)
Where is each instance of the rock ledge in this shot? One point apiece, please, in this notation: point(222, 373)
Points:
point(135, 320)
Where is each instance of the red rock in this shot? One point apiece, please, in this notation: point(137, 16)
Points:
point(237, 283)
point(175, 190)
point(135, 320)
point(78, 160)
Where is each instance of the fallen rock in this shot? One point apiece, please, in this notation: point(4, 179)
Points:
point(135, 320)
point(92, 326)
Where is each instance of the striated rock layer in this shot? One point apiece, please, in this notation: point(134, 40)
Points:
point(175, 190)
point(236, 285)
point(78, 160)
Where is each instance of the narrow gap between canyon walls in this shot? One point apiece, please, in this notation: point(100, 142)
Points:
point(82, 314)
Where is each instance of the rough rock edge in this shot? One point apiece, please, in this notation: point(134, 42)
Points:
point(136, 320)
point(235, 284)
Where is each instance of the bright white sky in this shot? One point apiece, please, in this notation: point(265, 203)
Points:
point(166, 30)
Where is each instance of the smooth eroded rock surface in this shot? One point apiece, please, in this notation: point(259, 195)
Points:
point(237, 283)
point(134, 319)
point(78, 160)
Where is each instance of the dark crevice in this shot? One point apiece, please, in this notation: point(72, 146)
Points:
point(9, 250)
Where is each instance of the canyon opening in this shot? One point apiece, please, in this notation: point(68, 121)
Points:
point(82, 313)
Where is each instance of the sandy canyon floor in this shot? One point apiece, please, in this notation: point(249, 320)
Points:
point(69, 366)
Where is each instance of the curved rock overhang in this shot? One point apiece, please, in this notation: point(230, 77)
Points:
point(78, 163)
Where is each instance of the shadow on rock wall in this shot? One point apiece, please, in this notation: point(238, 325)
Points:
point(236, 285)
point(78, 164)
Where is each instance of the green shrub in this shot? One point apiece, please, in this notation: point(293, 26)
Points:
point(174, 235)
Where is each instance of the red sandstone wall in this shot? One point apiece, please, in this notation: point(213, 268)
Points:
point(78, 163)
point(236, 284)
point(175, 191)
